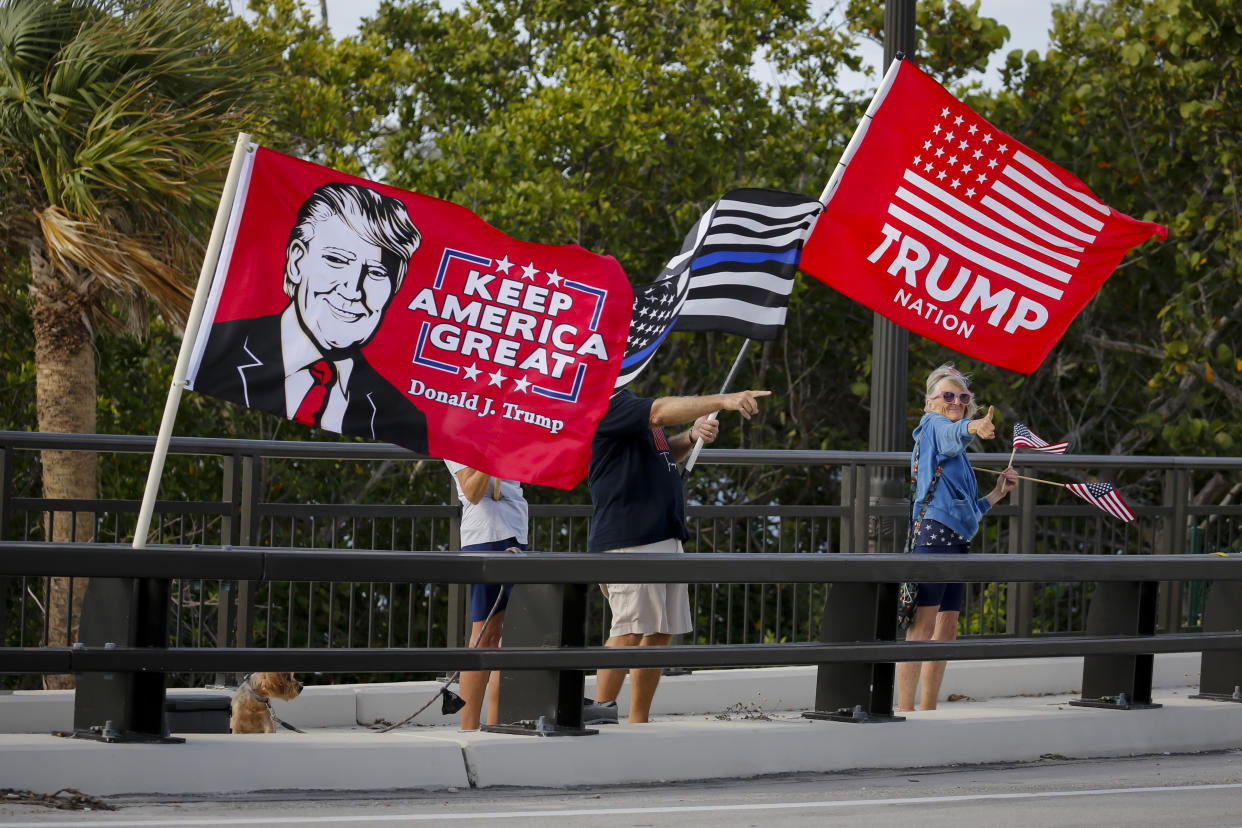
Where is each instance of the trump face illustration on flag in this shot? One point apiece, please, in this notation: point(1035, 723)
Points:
point(360, 308)
point(347, 255)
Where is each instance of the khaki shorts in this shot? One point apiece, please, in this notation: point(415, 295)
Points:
point(649, 608)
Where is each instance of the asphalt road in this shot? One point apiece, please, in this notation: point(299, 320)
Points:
point(1190, 791)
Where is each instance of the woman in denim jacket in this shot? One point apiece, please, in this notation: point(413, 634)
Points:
point(951, 519)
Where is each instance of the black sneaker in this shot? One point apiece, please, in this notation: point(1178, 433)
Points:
point(594, 712)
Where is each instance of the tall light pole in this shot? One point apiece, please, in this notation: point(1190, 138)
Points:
point(889, 342)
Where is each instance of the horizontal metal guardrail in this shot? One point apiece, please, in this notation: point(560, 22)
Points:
point(397, 660)
point(160, 562)
point(294, 449)
point(267, 564)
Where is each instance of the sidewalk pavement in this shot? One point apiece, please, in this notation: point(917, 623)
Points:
point(710, 724)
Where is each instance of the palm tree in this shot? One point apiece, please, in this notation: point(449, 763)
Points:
point(117, 118)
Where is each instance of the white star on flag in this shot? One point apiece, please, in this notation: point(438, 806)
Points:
point(472, 372)
point(503, 264)
point(529, 272)
point(497, 379)
point(993, 265)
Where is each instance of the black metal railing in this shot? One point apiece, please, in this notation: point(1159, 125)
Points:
point(420, 612)
point(856, 650)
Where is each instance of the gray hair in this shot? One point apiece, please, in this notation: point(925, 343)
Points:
point(948, 372)
point(381, 220)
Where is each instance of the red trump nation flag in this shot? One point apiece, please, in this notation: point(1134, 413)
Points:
point(368, 310)
point(955, 231)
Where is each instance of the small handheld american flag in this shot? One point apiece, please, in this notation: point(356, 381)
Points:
point(1103, 496)
point(1023, 437)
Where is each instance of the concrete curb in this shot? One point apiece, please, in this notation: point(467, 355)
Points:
point(669, 749)
point(710, 724)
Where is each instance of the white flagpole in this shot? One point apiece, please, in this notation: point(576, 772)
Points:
point(192, 323)
point(698, 445)
point(852, 147)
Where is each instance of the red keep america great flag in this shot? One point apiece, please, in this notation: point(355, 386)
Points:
point(363, 309)
point(955, 231)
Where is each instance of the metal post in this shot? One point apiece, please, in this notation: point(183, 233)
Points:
point(1220, 671)
point(226, 601)
point(247, 533)
point(862, 508)
point(861, 692)
point(889, 342)
point(1171, 540)
point(6, 484)
point(1019, 597)
point(458, 620)
point(123, 706)
point(544, 702)
point(1119, 682)
point(848, 495)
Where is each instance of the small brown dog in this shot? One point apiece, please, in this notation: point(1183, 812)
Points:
point(252, 712)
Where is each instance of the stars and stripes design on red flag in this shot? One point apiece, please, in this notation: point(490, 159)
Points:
point(1103, 496)
point(957, 232)
point(1023, 437)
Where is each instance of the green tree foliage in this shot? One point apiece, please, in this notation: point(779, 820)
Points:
point(1140, 100)
point(328, 100)
point(115, 118)
point(954, 40)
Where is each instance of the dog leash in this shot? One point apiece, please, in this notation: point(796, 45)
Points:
point(442, 692)
point(444, 688)
point(267, 702)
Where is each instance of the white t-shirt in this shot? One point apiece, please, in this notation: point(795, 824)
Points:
point(491, 520)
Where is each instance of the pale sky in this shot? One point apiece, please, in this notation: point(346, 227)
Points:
point(1028, 22)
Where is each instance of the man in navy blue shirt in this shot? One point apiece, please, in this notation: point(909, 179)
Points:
point(640, 507)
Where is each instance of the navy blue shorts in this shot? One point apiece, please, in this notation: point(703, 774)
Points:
point(946, 596)
point(483, 596)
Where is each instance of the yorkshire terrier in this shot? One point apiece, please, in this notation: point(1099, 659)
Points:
point(252, 712)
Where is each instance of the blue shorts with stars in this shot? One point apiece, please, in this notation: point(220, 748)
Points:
point(934, 538)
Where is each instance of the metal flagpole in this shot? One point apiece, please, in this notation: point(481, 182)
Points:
point(192, 323)
point(698, 445)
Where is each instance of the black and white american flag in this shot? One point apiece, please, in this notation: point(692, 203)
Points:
point(734, 274)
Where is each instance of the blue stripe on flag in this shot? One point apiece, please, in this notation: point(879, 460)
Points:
point(639, 356)
point(786, 256)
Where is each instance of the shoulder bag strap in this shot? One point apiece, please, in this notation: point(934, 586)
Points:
point(914, 488)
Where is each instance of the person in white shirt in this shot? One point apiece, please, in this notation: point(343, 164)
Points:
point(493, 519)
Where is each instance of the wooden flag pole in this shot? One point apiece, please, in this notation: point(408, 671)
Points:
point(1020, 477)
point(698, 445)
point(192, 323)
point(1011, 454)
